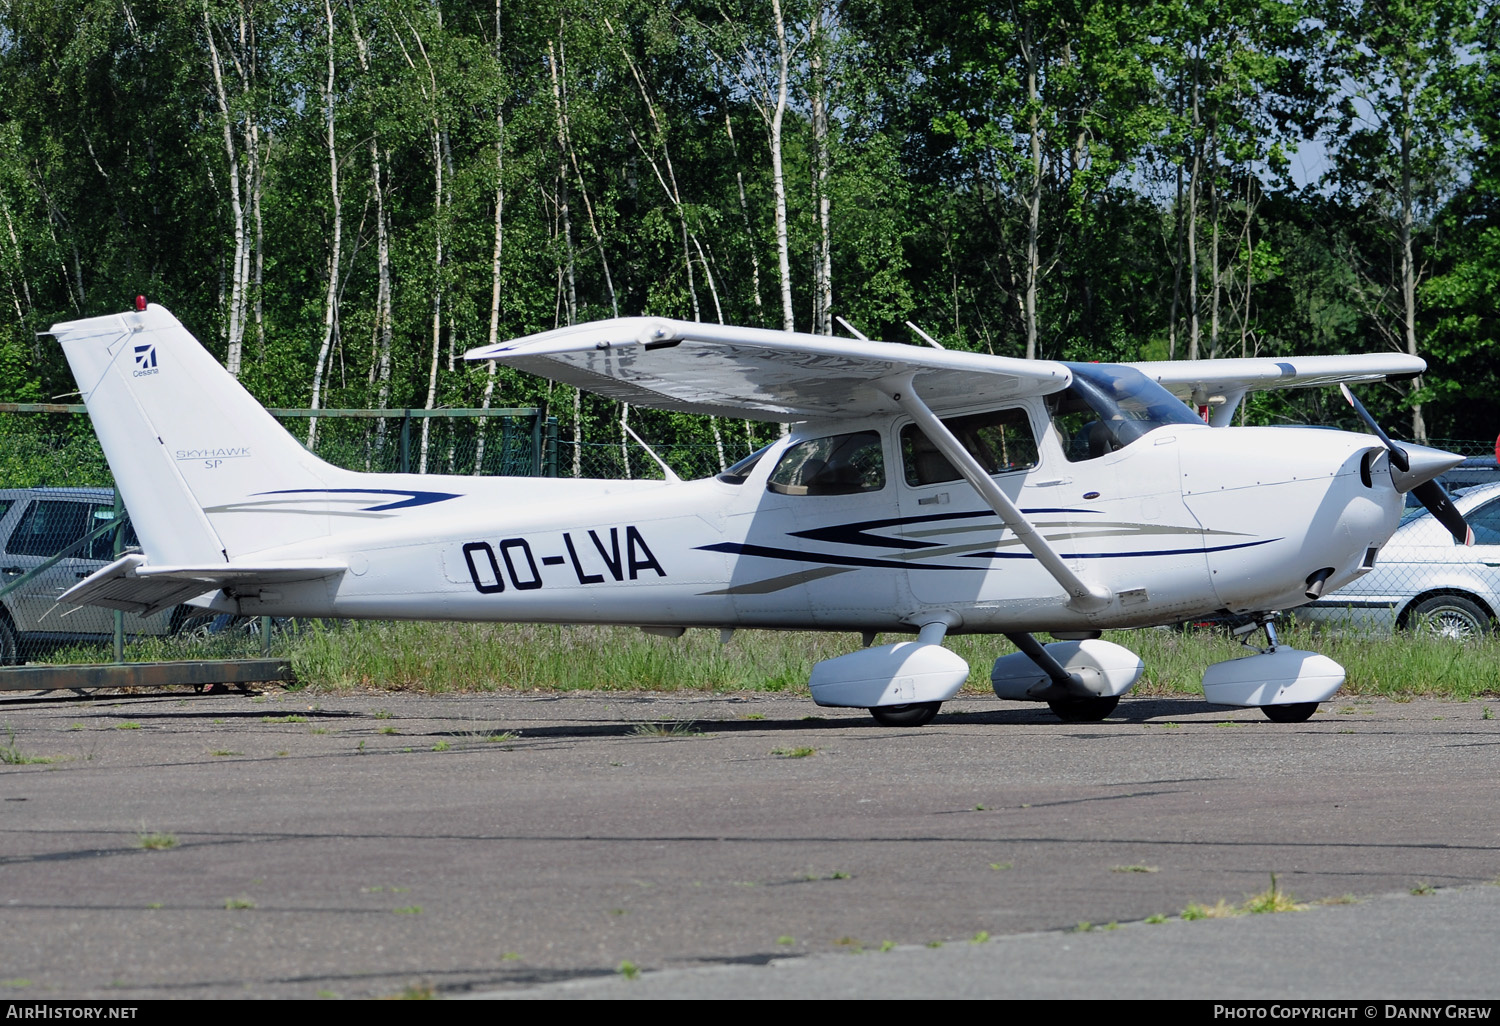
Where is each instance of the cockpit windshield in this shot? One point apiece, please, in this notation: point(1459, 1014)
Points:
point(741, 470)
point(1108, 406)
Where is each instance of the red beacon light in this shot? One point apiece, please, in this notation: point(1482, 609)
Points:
point(140, 303)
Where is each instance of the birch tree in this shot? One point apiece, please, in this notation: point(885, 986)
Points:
point(1403, 138)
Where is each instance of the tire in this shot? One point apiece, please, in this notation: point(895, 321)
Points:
point(194, 627)
point(916, 714)
point(10, 651)
point(1292, 712)
point(1448, 616)
point(1084, 710)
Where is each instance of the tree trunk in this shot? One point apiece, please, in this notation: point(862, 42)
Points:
point(236, 328)
point(330, 298)
point(778, 177)
point(739, 178)
point(494, 333)
point(823, 258)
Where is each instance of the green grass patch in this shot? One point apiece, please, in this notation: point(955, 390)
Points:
point(679, 728)
point(11, 754)
point(449, 657)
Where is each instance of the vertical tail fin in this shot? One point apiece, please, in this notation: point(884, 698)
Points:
point(192, 451)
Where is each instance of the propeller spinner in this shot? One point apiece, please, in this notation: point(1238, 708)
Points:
point(1414, 468)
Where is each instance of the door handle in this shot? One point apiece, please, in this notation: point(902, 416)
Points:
point(12, 571)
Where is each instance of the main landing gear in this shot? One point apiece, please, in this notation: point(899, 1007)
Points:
point(913, 714)
point(1081, 680)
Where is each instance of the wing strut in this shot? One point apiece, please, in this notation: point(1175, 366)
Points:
point(1082, 596)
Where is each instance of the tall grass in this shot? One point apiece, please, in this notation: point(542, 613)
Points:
point(440, 657)
point(437, 657)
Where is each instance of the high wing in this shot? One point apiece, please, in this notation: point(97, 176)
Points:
point(1198, 380)
point(761, 374)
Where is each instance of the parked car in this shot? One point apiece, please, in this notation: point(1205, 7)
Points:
point(37, 524)
point(1423, 581)
point(1472, 472)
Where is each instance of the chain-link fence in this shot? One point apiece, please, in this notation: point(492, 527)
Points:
point(60, 521)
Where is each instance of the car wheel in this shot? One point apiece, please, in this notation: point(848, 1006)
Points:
point(195, 627)
point(10, 651)
point(1449, 616)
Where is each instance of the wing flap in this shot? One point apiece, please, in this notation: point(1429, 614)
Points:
point(763, 375)
point(131, 585)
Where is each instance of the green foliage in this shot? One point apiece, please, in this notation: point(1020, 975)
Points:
point(973, 152)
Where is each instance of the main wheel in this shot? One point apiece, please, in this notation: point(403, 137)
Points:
point(1084, 710)
point(1449, 616)
point(916, 714)
point(1292, 712)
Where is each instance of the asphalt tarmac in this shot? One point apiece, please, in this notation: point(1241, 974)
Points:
point(625, 845)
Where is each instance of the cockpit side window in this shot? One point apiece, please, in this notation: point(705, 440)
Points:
point(836, 465)
point(1108, 406)
point(1001, 440)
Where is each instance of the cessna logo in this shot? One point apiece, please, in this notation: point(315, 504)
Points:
point(145, 360)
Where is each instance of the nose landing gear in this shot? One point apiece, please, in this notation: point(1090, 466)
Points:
point(1285, 683)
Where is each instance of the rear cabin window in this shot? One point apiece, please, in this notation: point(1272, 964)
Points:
point(836, 465)
point(1001, 440)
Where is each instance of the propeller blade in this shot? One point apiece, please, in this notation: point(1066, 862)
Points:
point(1431, 495)
point(1398, 454)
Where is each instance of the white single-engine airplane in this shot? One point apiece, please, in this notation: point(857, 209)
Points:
point(919, 491)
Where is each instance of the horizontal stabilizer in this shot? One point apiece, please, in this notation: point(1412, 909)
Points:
point(131, 585)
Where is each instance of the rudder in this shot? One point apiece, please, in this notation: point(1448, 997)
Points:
point(192, 452)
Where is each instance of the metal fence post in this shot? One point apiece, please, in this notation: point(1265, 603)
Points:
point(536, 445)
point(117, 548)
point(406, 441)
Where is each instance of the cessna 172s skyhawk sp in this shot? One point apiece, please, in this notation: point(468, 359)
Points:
point(919, 491)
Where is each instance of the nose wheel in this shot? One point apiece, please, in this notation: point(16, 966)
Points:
point(1289, 712)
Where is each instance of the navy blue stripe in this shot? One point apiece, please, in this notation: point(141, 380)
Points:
point(766, 551)
point(1113, 555)
point(769, 552)
point(857, 533)
point(413, 498)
